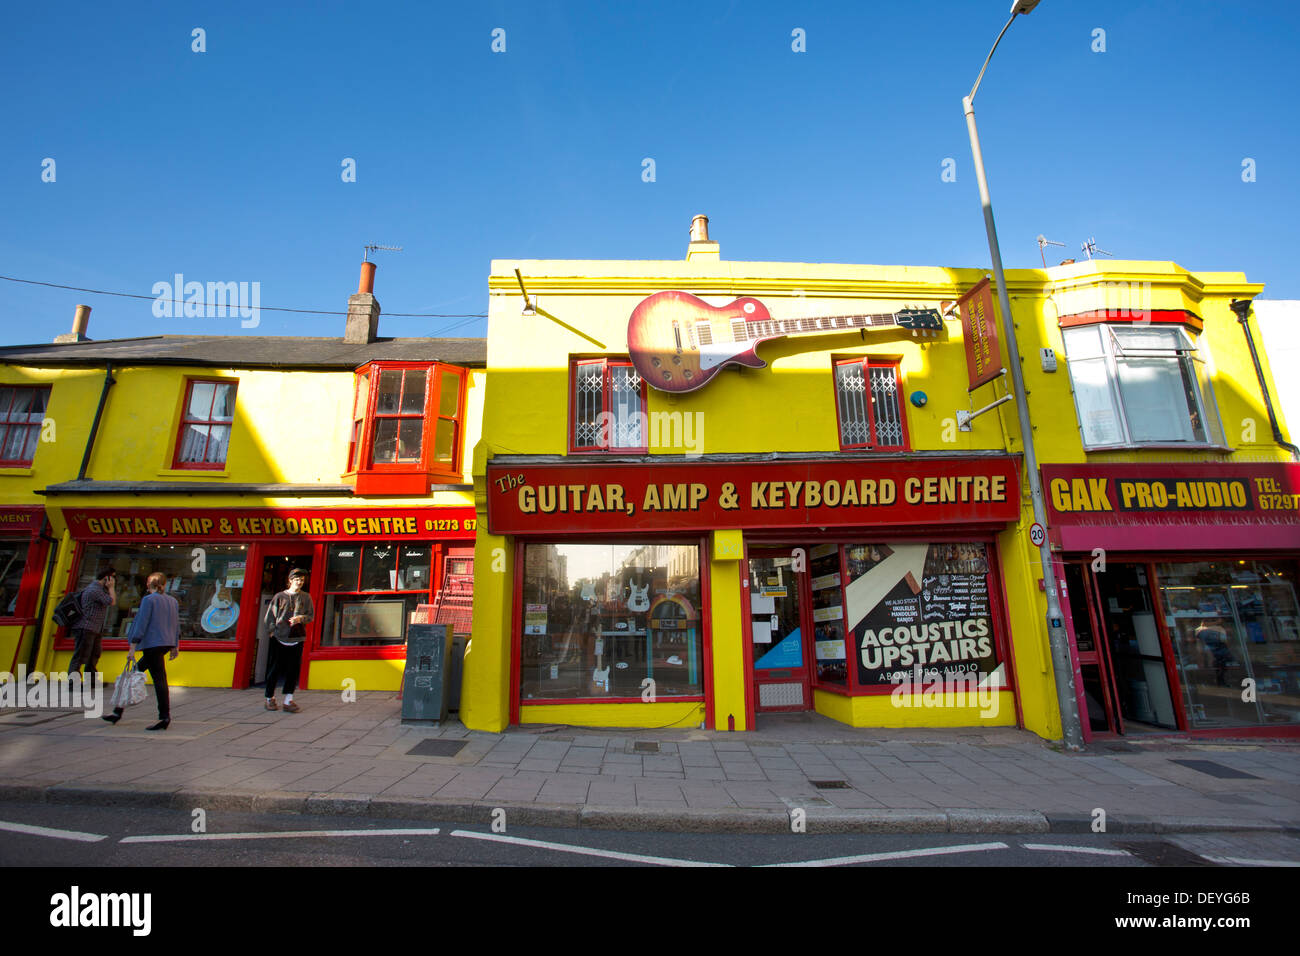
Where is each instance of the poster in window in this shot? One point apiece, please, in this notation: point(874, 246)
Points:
point(920, 605)
point(374, 620)
point(534, 618)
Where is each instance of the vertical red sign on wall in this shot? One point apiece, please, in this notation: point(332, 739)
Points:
point(980, 331)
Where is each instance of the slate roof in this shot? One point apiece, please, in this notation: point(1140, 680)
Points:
point(247, 351)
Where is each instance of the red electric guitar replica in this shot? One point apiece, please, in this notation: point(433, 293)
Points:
point(678, 342)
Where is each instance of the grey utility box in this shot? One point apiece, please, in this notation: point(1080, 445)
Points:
point(426, 686)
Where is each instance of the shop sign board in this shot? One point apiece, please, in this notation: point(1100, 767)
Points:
point(979, 331)
point(1263, 493)
point(21, 519)
point(253, 524)
point(543, 498)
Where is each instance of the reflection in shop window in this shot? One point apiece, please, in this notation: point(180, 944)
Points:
point(371, 590)
point(208, 599)
point(1233, 622)
point(13, 561)
point(599, 620)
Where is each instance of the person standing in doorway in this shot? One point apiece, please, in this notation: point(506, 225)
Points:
point(88, 640)
point(156, 628)
point(287, 617)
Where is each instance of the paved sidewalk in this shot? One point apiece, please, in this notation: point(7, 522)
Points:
point(224, 751)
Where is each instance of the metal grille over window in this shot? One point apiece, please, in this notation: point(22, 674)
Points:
point(590, 401)
point(454, 603)
point(627, 407)
point(850, 388)
point(884, 400)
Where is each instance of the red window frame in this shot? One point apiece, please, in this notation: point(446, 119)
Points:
point(415, 476)
point(28, 426)
point(607, 393)
point(868, 362)
point(209, 421)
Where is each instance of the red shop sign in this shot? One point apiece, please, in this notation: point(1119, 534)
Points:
point(20, 518)
point(526, 499)
point(251, 524)
point(1173, 494)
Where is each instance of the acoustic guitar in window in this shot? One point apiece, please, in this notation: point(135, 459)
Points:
point(678, 342)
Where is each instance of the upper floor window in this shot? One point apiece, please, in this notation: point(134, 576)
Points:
point(205, 424)
point(22, 409)
point(407, 420)
point(607, 406)
point(868, 403)
point(1139, 385)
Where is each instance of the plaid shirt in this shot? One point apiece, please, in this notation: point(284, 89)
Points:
point(95, 603)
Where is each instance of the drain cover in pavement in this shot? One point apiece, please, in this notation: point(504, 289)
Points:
point(830, 784)
point(1216, 769)
point(645, 747)
point(437, 748)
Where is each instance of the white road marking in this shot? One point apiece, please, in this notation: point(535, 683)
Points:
point(51, 832)
point(1241, 861)
point(898, 855)
point(273, 835)
point(582, 850)
point(1061, 848)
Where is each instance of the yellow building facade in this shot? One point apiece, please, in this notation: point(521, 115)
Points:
point(226, 462)
point(709, 490)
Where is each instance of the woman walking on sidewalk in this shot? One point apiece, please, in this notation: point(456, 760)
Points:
point(287, 616)
point(156, 629)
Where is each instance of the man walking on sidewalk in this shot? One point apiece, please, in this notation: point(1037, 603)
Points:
point(286, 617)
point(88, 640)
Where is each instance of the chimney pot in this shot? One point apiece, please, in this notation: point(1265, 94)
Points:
point(700, 229)
point(701, 248)
point(367, 283)
point(79, 325)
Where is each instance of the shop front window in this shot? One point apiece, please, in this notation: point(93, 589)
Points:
point(611, 622)
point(1235, 627)
point(13, 562)
point(371, 590)
point(920, 612)
point(208, 587)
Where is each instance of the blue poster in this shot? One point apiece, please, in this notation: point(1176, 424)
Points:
point(787, 653)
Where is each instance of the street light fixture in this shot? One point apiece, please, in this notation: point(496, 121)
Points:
point(1071, 727)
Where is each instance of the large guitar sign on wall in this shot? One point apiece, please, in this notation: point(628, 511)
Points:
point(678, 342)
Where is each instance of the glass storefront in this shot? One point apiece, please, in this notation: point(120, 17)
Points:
point(371, 590)
point(206, 580)
point(611, 621)
point(1235, 630)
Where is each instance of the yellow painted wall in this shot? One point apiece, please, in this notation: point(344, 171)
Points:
point(289, 427)
point(366, 675)
point(789, 407)
point(666, 714)
point(998, 709)
point(190, 669)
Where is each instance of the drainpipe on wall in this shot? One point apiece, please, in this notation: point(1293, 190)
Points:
point(94, 426)
point(1242, 308)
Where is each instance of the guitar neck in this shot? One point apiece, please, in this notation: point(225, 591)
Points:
point(743, 331)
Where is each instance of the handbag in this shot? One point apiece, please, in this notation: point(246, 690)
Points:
point(129, 688)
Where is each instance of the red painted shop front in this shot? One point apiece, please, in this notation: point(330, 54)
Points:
point(368, 568)
point(587, 632)
point(1181, 586)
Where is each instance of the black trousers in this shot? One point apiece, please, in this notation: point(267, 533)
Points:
point(284, 661)
point(154, 661)
point(86, 648)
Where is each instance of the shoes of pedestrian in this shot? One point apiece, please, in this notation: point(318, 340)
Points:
point(271, 704)
point(161, 725)
point(291, 708)
point(111, 718)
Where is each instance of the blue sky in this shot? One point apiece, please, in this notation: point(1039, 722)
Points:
point(225, 165)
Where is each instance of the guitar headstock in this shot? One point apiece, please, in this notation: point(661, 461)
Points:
point(920, 319)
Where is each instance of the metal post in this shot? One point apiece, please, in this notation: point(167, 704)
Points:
point(1071, 727)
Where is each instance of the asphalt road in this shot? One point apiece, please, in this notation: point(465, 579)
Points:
point(58, 835)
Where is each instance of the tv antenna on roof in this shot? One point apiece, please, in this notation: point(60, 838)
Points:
point(373, 246)
point(1044, 241)
point(1090, 247)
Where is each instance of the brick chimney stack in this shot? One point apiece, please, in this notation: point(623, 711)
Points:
point(701, 248)
point(363, 310)
point(79, 325)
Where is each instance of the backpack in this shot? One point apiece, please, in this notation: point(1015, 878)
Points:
point(68, 612)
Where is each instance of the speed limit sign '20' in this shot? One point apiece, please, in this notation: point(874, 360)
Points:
point(1037, 534)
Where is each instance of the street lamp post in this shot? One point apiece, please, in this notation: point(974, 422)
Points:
point(1071, 728)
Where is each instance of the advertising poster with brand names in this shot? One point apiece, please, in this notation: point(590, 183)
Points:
point(912, 605)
